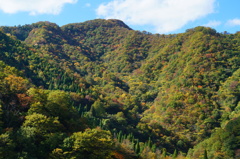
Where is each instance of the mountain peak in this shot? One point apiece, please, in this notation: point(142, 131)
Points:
point(118, 23)
point(101, 23)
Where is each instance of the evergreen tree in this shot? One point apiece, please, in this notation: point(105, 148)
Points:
point(175, 154)
point(205, 156)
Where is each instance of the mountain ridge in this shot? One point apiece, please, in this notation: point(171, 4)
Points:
point(171, 92)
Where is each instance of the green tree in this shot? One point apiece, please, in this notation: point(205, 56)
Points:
point(7, 146)
point(42, 124)
point(39, 135)
point(97, 109)
point(175, 154)
point(92, 144)
point(205, 156)
point(164, 153)
point(55, 104)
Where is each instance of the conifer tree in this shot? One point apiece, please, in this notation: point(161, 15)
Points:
point(175, 154)
point(205, 154)
point(164, 153)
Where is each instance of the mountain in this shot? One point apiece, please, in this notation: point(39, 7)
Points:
point(67, 90)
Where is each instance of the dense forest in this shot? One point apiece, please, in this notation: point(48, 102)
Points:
point(100, 90)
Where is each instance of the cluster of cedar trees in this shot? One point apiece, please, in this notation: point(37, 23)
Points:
point(101, 90)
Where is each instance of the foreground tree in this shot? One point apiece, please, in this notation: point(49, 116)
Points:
point(92, 144)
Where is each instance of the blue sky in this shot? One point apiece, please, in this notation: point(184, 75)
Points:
point(156, 16)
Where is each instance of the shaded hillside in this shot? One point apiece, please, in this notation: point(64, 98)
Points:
point(158, 95)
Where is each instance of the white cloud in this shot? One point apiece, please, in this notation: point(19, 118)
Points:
point(233, 22)
point(88, 5)
point(164, 15)
point(213, 23)
point(33, 6)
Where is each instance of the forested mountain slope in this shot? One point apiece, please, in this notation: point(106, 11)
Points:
point(99, 89)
